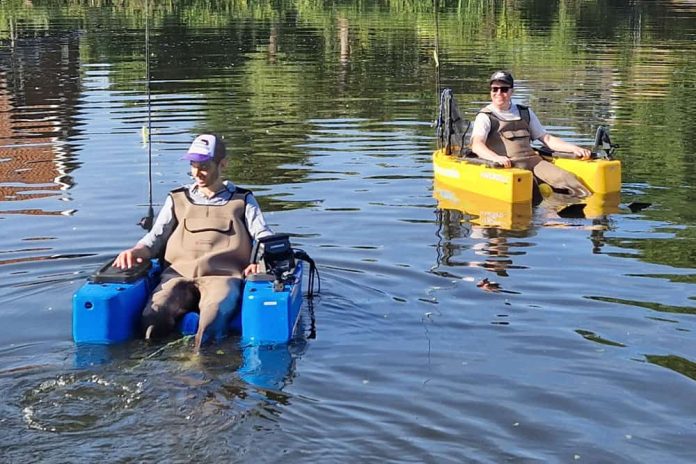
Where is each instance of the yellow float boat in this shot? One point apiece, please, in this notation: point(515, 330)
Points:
point(514, 185)
point(455, 166)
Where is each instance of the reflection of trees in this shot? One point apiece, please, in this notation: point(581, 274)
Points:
point(498, 26)
point(678, 251)
point(678, 364)
point(632, 61)
point(344, 41)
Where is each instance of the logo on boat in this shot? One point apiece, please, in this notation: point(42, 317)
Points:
point(495, 176)
point(446, 172)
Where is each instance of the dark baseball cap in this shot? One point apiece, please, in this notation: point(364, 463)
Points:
point(502, 76)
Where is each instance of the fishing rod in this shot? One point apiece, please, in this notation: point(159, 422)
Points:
point(146, 222)
point(436, 51)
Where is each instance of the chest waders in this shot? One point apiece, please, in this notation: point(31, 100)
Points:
point(513, 139)
point(209, 240)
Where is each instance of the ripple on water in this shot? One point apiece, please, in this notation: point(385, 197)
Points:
point(66, 403)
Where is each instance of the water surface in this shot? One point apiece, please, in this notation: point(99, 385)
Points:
point(583, 353)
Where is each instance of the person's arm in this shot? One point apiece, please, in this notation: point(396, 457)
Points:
point(154, 242)
point(479, 134)
point(538, 132)
point(256, 223)
point(558, 144)
point(257, 226)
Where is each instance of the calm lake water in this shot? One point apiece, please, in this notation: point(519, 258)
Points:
point(585, 352)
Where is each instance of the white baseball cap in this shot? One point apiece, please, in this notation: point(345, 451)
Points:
point(206, 147)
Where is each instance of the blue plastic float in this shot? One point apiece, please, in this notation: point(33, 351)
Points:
point(108, 307)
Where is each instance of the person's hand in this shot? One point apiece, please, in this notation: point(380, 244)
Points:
point(253, 268)
point(582, 153)
point(504, 161)
point(129, 258)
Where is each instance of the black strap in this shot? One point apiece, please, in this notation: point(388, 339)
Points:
point(246, 193)
point(243, 191)
point(313, 271)
point(524, 113)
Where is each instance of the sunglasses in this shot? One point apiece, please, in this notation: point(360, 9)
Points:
point(500, 89)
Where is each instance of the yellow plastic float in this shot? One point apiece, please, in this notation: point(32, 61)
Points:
point(598, 175)
point(455, 167)
point(508, 185)
point(514, 185)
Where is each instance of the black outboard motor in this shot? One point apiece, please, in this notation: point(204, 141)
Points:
point(276, 258)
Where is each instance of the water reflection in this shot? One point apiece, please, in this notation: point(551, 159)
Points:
point(39, 107)
point(225, 380)
point(678, 364)
point(267, 367)
point(484, 212)
point(490, 225)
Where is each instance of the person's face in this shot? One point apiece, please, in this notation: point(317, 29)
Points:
point(501, 94)
point(205, 173)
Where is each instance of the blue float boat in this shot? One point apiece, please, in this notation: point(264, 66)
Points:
point(108, 307)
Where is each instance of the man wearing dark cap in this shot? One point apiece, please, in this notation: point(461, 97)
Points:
point(204, 234)
point(503, 133)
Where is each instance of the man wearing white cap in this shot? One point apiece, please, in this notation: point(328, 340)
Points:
point(503, 133)
point(204, 234)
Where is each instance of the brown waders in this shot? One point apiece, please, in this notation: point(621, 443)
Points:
point(513, 139)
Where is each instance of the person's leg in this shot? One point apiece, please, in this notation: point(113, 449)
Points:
point(559, 178)
point(220, 297)
point(170, 300)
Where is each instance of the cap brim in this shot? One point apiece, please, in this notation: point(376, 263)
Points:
point(197, 157)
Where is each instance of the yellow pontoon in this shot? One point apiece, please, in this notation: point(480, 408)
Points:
point(514, 185)
point(601, 175)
